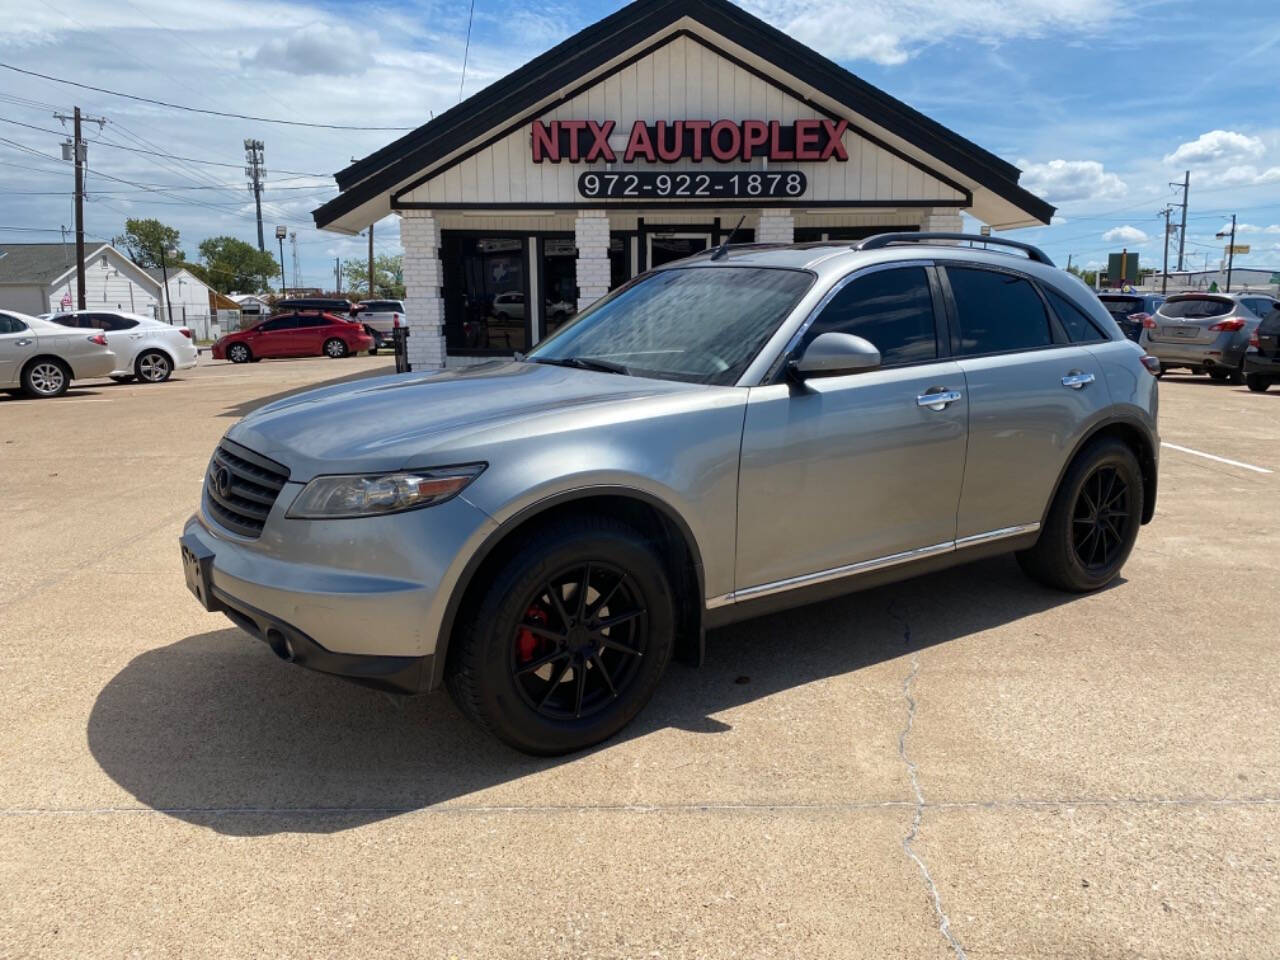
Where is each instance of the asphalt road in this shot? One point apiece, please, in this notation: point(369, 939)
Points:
point(961, 765)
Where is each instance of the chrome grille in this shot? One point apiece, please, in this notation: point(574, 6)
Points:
point(240, 488)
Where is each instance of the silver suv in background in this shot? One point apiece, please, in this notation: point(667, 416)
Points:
point(380, 318)
point(1205, 332)
point(742, 431)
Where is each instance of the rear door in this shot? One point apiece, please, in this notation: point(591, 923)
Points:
point(309, 335)
point(1188, 319)
point(124, 337)
point(17, 344)
point(1031, 391)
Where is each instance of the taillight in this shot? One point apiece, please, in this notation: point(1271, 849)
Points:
point(1151, 363)
point(395, 320)
point(98, 338)
point(1253, 340)
point(185, 332)
point(1148, 321)
point(1227, 326)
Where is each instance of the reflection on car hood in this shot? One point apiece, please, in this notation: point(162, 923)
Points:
point(386, 422)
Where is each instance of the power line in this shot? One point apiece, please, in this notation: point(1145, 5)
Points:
point(466, 49)
point(179, 106)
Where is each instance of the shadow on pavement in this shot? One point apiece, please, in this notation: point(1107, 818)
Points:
point(214, 727)
point(248, 406)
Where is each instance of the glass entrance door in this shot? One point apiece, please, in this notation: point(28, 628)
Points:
point(664, 247)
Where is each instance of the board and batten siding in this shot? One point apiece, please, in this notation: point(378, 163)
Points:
point(108, 285)
point(681, 80)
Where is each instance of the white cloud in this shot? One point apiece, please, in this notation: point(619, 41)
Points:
point(1240, 175)
point(317, 48)
point(1125, 234)
point(1217, 146)
point(890, 32)
point(1250, 228)
point(1062, 181)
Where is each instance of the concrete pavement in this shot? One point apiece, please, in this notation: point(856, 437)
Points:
point(961, 765)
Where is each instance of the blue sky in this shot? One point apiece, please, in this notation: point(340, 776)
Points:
point(1101, 104)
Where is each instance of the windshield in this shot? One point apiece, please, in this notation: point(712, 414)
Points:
point(699, 324)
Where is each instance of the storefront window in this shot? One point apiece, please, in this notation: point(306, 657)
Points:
point(485, 294)
point(560, 281)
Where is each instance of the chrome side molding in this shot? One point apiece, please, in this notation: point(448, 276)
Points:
point(866, 566)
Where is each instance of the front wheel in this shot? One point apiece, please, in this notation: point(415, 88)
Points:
point(569, 641)
point(1257, 383)
point(1093, 522)
point(335, 348)
point(239, 353)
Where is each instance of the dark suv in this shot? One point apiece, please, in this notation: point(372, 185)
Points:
point(1131, 310)
point(1262, 362)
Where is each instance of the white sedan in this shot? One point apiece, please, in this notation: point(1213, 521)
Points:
point(144, 348)
point(43, 358)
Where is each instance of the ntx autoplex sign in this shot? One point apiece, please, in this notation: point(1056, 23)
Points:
point(724, 141)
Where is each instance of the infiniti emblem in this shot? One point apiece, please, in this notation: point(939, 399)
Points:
point(221, 479)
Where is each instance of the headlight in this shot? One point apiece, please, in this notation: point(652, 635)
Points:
point(371, 495)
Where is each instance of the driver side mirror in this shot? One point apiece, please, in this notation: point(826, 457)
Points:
point(834, 355)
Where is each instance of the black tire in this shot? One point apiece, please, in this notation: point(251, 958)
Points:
point(498, 682)
point(1217, 374)
point(127, 378)
point(1237, 376)
point(45, 378)
point(1079, 551)
point(1257, 383)
point(239, 353)
point(335, 348)
point(153, 366)
point(377, 341)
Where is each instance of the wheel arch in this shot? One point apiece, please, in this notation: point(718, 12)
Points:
point(63, 362)
point(1138, 438)
point(154, 348)
point(649, 514)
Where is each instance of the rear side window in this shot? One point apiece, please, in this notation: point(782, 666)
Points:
point(1261, 306)
point(893, 309)
point(1121, 307)
point(314, 320)
point(280, 323)
point(1195, 308)
point(998, 312)
point(1080, 329)
point(74, 320)
point(108, 322)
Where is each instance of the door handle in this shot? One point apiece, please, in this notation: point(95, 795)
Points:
point(1077, 380)
point(24, 342)
point(939, 399)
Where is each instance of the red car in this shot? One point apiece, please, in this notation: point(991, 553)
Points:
point(294, 335)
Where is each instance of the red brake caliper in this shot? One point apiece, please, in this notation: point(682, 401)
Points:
point(528, 645)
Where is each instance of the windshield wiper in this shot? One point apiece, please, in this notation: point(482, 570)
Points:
point(585, 363)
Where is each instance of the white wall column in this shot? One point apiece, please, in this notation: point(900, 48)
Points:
point(942, 220)
point(776, 226)
point(423, 281)
point(591, 237)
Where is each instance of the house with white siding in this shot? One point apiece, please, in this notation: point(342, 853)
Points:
point(191, 298)
point(40, 278)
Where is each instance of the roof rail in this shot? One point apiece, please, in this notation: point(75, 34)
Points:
point(881, 240)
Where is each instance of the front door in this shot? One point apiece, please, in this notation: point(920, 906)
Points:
point(666, 247)
point(856, 469)
point(275, 337)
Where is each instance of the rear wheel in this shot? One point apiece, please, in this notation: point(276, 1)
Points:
point(570, 639)
point(153, 367)
point(1093, 522)
point(1237, 375)
point(335, 348)
point(1219, 375)
point(46, 378)
point(1257, 383)
point(239, 353)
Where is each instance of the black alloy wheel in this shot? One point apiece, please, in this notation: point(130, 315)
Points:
point(1100, 519)
point(579, 646)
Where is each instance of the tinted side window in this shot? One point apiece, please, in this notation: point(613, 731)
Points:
point(280, 323)
point(10, 324)
point(72, 320)
point(893, 309)
point(998, 312)
point(1258, 305)
point(109, 322)
point(1079, 327)
point(314, 320)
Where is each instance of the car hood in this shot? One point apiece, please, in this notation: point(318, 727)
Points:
point(386, 423)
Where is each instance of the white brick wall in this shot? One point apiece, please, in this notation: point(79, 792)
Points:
point(942, 220)
point(423, 278)
point(591, 237)
point(776, 226)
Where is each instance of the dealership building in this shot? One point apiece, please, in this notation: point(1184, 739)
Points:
point(645, 138)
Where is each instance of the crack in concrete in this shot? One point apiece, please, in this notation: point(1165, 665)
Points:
point(944, 921)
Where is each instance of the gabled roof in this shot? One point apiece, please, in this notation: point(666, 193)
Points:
point(33, 263)
point(587, 51)
point(157, 273)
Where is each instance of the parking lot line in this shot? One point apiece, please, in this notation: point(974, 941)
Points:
point(1210, 456)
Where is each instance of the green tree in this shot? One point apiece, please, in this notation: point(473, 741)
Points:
point(234, 265)
point(388, 276)
point(143, 240)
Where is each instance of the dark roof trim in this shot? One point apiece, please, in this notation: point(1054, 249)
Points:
point(613, 36)
point(639, 55)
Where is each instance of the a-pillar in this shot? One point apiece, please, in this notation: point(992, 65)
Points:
point(423, 277)
point(591, 237)
point(776, 226)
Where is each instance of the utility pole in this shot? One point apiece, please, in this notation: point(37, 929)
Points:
point(1182, 230)
point(1231, 252)
point(371, 293)
point(337, 275)
point(1069, 256)
point(293, 243)
point(78, 151)
point(1164, 282)
point(281, 231)
point(253, 156)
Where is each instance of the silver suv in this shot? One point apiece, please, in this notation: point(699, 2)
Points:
point(742, 431)
point(1205, 332)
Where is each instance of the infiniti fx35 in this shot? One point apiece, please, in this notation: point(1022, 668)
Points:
point(749, 429)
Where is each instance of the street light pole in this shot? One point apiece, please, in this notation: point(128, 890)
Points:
point(281, 232)
point(1231, 249)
